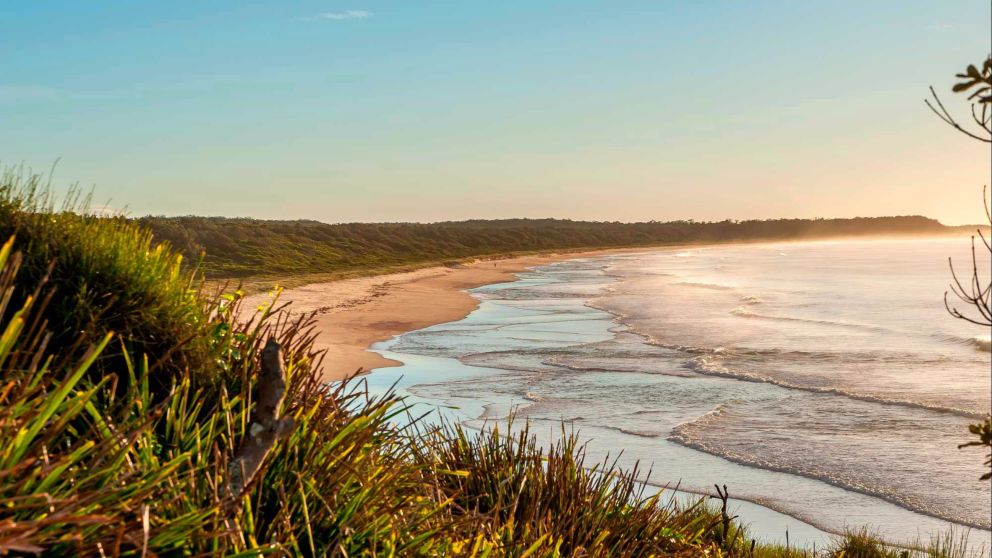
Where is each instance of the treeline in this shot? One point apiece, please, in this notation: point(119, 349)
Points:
point(239, 247)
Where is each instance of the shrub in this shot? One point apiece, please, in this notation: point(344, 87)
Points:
point(523, 495)
point(104, 275)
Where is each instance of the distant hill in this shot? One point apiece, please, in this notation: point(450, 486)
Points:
point(239, 247)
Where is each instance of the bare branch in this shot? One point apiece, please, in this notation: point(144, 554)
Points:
point(983, 120)
point(944, 115)
point(266, 427)
point(987, 204)
point(976, 294)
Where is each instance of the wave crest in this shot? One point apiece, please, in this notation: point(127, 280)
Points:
point(705, 285)
point(745, 313)
point(693, 434)
point(712, 367)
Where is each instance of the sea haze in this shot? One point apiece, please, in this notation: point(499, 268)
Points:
point(823, 380)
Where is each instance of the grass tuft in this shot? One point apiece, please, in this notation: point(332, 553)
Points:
point(105, 275)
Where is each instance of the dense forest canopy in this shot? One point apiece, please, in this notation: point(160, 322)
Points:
point(240, 247)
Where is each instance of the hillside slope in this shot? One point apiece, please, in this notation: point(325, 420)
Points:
point(245, 247)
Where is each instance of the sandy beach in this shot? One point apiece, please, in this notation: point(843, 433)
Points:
point(352, 314)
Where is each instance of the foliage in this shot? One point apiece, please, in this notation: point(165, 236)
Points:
point(246, 247)
point(524, 495)
point(862, 543)
point(979, 80)
point(983, 431)
point(84, 467)
point(981, 102)
point(104, 275)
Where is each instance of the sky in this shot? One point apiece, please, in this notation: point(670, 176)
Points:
point(345, 111)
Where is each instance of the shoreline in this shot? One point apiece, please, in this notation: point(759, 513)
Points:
point(353, 314)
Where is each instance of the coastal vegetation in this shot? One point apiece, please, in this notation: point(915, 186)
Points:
point(127, 394)
point(238, 248)
point(150, 407)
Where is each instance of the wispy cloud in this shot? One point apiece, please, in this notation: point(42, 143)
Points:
point(340, 16)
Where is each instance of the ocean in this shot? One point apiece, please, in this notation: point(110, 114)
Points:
point(823, 382)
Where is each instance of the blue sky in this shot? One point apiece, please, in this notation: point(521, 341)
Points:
point(424, 111)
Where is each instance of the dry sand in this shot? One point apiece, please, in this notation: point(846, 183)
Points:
point(352, 314)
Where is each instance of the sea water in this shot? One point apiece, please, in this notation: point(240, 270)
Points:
point(824, 383)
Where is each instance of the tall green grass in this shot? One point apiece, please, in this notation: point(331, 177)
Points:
point(103, 275)
point(550, 497)
point(88, 467)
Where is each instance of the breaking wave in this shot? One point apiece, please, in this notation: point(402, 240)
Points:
point(979, 342)
point(707, 366)
point(704, 285)
point(682, 435)
point(745, 313)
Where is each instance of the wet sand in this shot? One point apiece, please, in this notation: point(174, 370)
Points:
point(352, 314)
